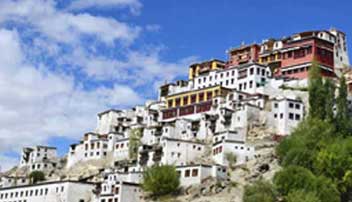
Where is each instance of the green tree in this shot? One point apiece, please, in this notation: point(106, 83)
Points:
point(302, 196)
point(161, 180)
point(335, 162)
point(260, 190)
point(316, 93)
point(342, 119)
point(301, 147)
point(135, 136)
point(329, 89)
point(36, 176)
point(298, 178)
point(294, 178)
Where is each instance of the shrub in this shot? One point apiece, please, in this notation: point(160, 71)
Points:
point(302, 196)
point(161, 180)
point(36, 176)
point(259, 191)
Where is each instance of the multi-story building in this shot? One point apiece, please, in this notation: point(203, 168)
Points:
point(42, 158)
point(55, 191)
point(286, 114)
point(292, 56)
point(192, 102)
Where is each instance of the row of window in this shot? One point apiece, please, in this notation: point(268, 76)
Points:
point(29, 193)
point(189, 172)
point(290, 105)
point(242, 74)
point(291, 116)
point(97, 144)
point(191, 99)
point(96, 153)
point(219, 149)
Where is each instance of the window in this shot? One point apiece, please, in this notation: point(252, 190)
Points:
point(185, 100)
point(289, 54)
point(297, 106)
point(193, 98)
point(290, 105)
point(187, 173)
point(194, 172)
point(297, 117)
point(209, 95)
point(201, 97)
point(275, 116)
point(290, 116)
point(251, 71)
point(281, 116)
point(178, 102)
point(169, 103)
point(276, 105)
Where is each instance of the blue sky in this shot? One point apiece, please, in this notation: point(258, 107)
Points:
point(65, 61)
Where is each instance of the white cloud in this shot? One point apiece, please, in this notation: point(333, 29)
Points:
point(64, 26)
point(47, 66)
point(37, 104)
point(134, 5)
point(139, 68)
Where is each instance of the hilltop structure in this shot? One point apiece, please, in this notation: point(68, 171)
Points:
point(225, 108)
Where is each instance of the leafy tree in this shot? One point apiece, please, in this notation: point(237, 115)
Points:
point(294, 178)
point(260, 190)
point(302, 196)
point(329, 89)
point(316, 93)
point(335, 162)
point(298, 178)
point(36, 176)
point(161, 180)
point(326, 189)
point(305, 141)
point(134, 142)
point(342, 119)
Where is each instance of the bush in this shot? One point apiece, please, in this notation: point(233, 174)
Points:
point(161, 180)
point(36, 176)
point(259, 191)
point(231, 158)
point(302, 196)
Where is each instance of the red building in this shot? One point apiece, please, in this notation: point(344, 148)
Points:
point(243, 54)
point(297, 56)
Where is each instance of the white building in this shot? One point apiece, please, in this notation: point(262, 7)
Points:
point(196, 174)
point(246, 78)
point(10, 181)
point(41, 158)
point(286, 114)
point(240, 149)
point(119, 191)
point(63, 191)
point(180, 152)
point(93, 146)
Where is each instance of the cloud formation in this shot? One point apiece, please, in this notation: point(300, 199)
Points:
point(62, 66)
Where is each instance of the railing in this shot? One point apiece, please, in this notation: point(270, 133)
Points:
point(186, 110)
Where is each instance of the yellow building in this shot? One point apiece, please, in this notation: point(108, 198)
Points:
point(199, 68)
point(195, 96)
